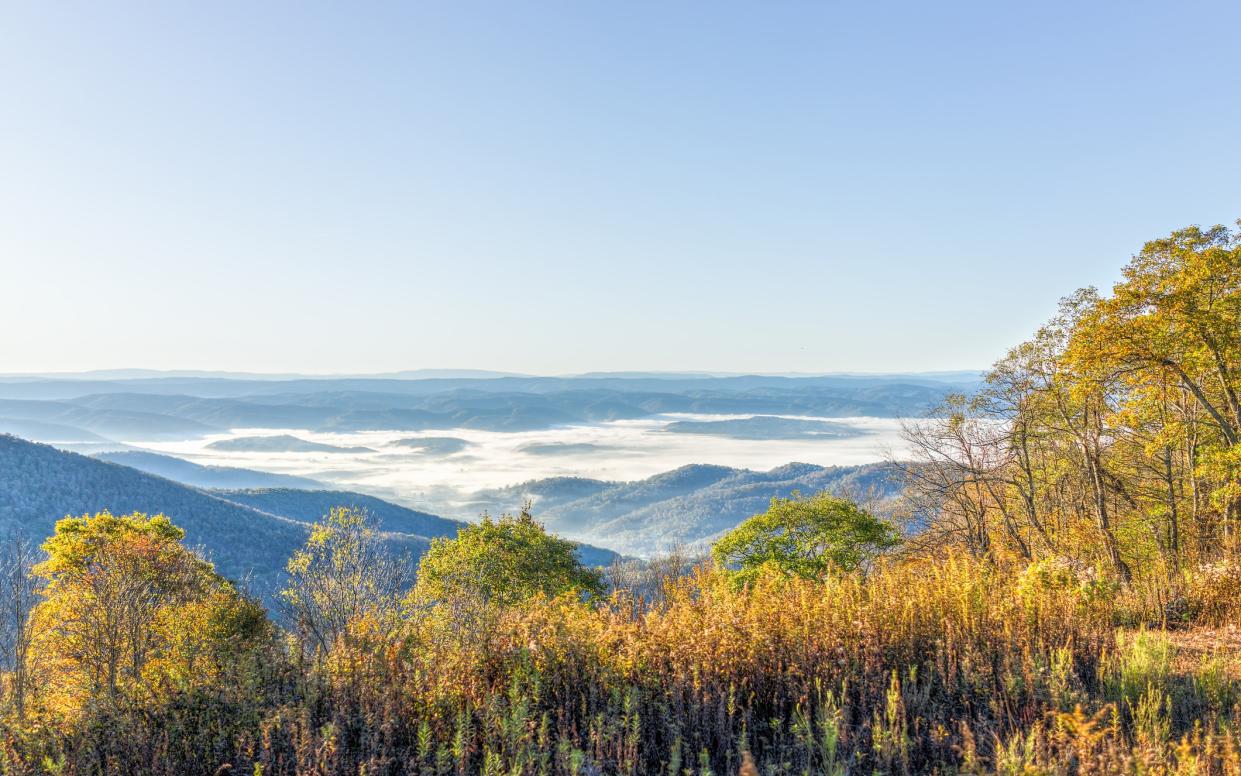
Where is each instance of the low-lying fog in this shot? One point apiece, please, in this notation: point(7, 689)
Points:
point(433, 470)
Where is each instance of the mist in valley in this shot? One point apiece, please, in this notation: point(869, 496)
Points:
point(440, 471)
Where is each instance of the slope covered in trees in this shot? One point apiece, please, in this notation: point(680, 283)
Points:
point(310, 505)
point(40, 485)
point(248, 534)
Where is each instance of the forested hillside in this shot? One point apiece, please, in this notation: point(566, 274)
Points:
point(311, 505)
point(39, 485)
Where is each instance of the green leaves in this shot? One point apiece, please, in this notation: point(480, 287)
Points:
point(502, 562)
point(805, 537)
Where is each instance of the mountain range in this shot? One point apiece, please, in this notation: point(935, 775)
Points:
point(125, 409)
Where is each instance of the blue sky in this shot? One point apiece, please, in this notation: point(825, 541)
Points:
point(563, 187)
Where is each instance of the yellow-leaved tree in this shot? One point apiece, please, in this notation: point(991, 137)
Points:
point(130, 614)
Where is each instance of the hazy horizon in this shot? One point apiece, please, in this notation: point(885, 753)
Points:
point(434, 372)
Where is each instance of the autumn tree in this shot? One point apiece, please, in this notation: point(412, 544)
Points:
point(952, 470)
point(1173, 325)
point(1110, 438)
point(342, 574)
point(128, 611)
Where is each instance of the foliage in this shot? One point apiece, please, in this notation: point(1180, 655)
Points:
point(502, 562)
point(342, 575)
point(128, 612)
point(949, 663)
point(806, 537)
point(1109, 440)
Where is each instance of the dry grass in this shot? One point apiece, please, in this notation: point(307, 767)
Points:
point(930, 666)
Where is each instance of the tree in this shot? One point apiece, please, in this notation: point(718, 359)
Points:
point(501, 562)
point(1112, 438)
point(1174, 324)
point(1178, 310)
point(951, 473)
point(646, 581)
point(129, 611)
point(805, 537)
point(342, 574)
point(18, 596)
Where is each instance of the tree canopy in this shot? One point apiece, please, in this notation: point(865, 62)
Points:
point(1110, 439)
point(502, 561)
point(127, 610)
point(806, 537)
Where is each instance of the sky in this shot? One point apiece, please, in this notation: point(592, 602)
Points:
point(558, 187)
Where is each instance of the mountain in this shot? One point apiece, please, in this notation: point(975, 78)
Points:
point(40, 484)
point(48, 431)
point(132, 421)
point(432, 445)
point(200, 476)
point(131, 374)
point(563, 448)
point(381, 406)
point(150, 407)
point(310, 505)
point(690, 505)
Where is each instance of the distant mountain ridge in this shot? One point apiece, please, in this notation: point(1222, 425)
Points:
point(280, 443)
point(93, 422)
point(765, 427)
point(136, 410)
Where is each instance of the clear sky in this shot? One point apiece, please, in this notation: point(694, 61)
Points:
point(561, 187)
